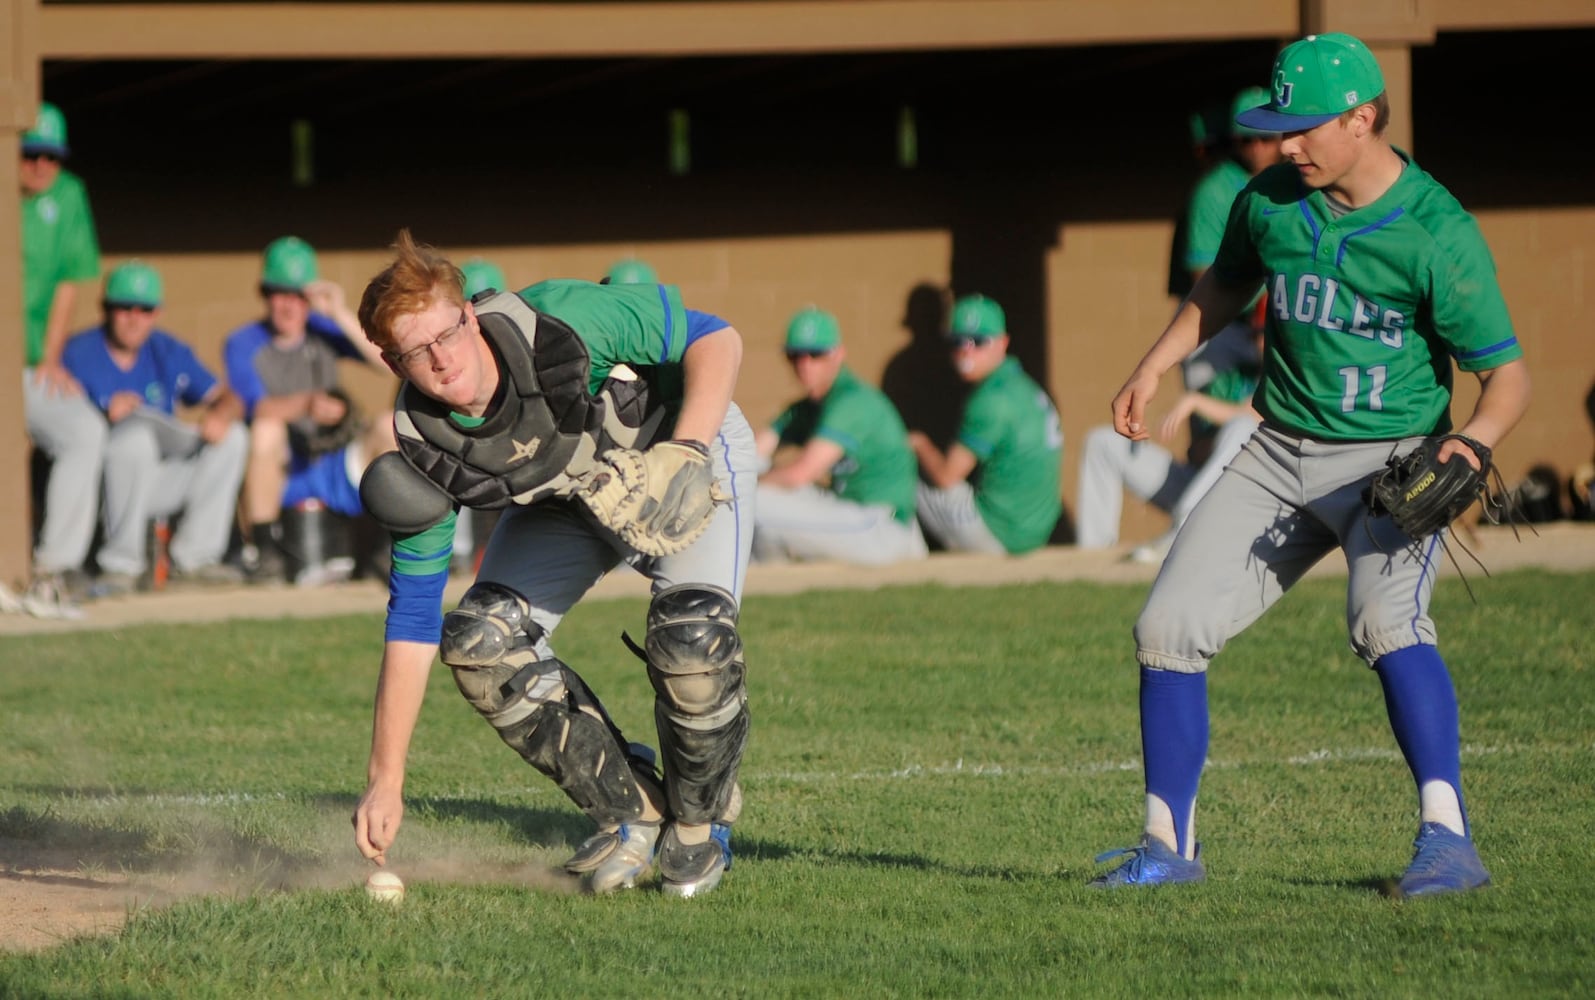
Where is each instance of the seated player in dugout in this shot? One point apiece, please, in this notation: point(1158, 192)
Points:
point(598, 419)
point(155, 466)
point(308, 443)
point(996, 488)
point(848, 491)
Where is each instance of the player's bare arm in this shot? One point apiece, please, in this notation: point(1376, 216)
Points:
point(401, 687)
point(942, 469)
point(710, 365)
point(1214, 411)
point(810, 466)
point(1210, 306)
point(1503, 399)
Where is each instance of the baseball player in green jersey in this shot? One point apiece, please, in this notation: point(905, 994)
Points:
point(850, 434)
point(995, 489)
point(59, 252)
point(1378, 283)
point(535, 403)
point(1250, 152)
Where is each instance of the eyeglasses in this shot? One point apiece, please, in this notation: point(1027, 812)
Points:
point(415, 354)
point(46, 157)
point(960, 343)
point(811, 355)
point(128, 307)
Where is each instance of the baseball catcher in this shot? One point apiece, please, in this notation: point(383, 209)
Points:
point(599, 419)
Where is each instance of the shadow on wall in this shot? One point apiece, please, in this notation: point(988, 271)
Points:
point(919, 379)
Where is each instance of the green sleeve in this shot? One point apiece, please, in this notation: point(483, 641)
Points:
point(1238, 262)
point(80, 247)
point(984, 423)
point(1209, 215)
point(637, 325)
point(1469, 312)
point(849, 421)
point(425, 552)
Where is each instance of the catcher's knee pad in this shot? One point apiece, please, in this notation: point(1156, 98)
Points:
point(701, 709)
point(540, 707)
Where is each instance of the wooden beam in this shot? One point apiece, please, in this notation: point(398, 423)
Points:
point(19, 107)
point(1519, 15)
point(466, 30)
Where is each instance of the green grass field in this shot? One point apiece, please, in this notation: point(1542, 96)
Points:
point(931, 772)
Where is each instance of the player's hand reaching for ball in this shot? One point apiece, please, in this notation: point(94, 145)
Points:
point(1129, 406)
point(376, 821)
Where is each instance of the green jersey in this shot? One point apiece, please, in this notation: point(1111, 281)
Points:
point(58, 244)
point(877, 466)
point(1209, 211)
point(1014, 432)
point(643, 326)
point(1366, 310)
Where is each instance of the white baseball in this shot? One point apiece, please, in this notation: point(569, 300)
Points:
point(385, 887)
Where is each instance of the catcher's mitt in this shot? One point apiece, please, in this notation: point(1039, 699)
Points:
point(658, 501)
point(1423, 495)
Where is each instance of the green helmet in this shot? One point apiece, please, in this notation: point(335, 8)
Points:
point(47, 137)
point(289, 265)
point(134, 283)
point(481, 275)
point(631, 271)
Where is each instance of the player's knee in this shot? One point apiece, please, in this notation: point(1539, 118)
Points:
point(491, 621)
point(136, 448)
point(695, 652)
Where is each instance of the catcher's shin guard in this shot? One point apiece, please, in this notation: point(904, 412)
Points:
point(540, 707)
point(701, 705)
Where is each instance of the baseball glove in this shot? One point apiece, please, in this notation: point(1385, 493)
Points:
point(306, 437)
point(658, 501)
point(1421, 494)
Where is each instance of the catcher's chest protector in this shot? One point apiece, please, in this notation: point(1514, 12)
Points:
point(542, 438)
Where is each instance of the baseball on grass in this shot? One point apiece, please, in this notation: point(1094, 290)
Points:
point(385, 887)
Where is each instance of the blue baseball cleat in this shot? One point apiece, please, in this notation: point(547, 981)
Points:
point(1150, 863)
point(1443, 862)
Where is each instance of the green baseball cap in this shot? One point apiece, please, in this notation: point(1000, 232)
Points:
point(1245, 101)
point(977, 316)
point(134, 283)
point(47, 137)
point(289, 265)
point(480, 275)
point(1316, 80)
point(631, 271)
point(813, 330)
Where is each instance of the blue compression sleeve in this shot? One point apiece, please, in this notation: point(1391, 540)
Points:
point(1174, 733)
point(1422, 704)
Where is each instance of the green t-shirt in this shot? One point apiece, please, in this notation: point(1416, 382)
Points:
point(877, 466)
point(1014, 432)
point(1209, 212)
point(1367, 311)
point(58, 244)
point(643, 326)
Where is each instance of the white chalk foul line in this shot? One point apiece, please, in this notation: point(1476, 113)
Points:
point(955, 768)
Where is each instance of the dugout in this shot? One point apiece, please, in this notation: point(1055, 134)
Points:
point(769, 154)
